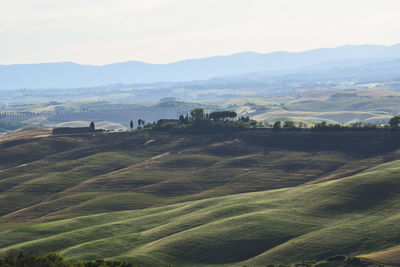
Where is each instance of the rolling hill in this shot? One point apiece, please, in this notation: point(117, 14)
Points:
point(350, 216)
point(247, 198)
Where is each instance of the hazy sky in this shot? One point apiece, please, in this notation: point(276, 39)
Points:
point(160, 31)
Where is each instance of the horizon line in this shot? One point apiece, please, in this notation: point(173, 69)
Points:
point(207, 57)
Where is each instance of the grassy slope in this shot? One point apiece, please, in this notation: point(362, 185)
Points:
point(140, 175)
point(352, 215)
point(44, 179)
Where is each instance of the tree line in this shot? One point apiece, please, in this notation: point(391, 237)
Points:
point(394, 124)
point(198, 121)
point(19, 258)
point(218, 121)
point(22, 114)
point(30, 113)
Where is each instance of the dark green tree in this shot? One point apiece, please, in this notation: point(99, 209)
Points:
point(181, 119)
point(217, 115)
point(141, 122)
point(357, 125)
point(288, 124)
point(394, 122)
point(245, 119)
point(277, 125)
point(231, 114)
point(92, 125)
point(131, 125)
point(197, 114)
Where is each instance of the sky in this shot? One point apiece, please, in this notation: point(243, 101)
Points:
point(99, 32)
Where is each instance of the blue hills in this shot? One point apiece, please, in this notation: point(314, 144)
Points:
point(72, 75)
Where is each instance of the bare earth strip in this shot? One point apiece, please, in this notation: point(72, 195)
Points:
point(390, 256)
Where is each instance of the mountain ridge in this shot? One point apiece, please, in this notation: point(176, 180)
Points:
point(72, 75)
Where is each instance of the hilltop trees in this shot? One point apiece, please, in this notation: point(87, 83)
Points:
point(218, 115)
point(289, 124)
point(197, 114)
point(140, 122)
point(302, 125)
point(394, 122)
point(277, 125)
point(231, 114)
point(225, 121)
point(201, 122)
point(181, 119)
point(245, 119)
point(324, 126)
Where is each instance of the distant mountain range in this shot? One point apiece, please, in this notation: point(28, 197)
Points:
point(72, 75)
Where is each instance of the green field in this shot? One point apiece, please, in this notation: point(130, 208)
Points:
point(247, 198)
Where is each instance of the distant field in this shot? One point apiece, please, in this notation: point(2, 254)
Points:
point(374, 106)
point(349, 107)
